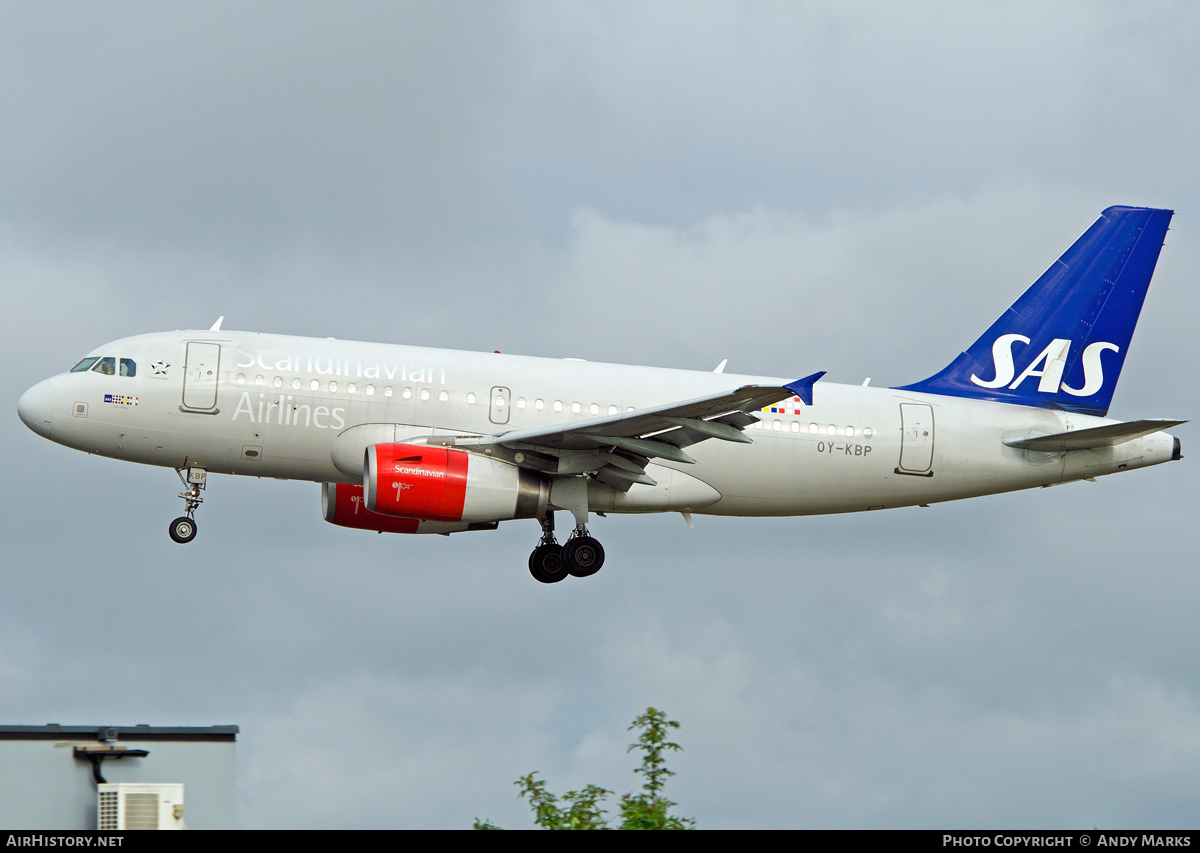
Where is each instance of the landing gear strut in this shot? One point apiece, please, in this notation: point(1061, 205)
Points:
point(183, 529)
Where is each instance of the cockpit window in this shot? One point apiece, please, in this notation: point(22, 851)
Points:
point(128, 367)
point(106, 365)
point(84, 365)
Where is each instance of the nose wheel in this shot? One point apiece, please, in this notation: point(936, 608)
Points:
point(183, 529)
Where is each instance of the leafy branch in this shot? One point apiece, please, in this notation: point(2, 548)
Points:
point(584, 809)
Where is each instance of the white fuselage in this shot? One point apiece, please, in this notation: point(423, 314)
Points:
point(278, 406)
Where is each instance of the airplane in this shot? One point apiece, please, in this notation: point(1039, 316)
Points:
point(417, 440)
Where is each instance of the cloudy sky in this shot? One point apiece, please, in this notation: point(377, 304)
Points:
point(858, 188)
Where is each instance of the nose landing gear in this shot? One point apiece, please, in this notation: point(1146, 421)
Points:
point(183, 529)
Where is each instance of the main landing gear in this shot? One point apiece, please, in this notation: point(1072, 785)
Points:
point(550, 562)
point(583, 555)
point(183, 529)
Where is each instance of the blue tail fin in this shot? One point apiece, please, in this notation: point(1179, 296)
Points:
point(1062, 344)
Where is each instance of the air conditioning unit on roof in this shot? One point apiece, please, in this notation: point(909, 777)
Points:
point(128, 805)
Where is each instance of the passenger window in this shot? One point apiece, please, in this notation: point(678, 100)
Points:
point(370, 389)
point(575, 408)
point(558, 405)
point(258, 380)
point(594, 409)
point(128, 367)
point(443, 396)
point(332, 387)
point(314, 385)
point(424, 393)
point(351, 388)
point(86, 364)
point(538, 404)
point(406, 393)
point(277, 382)
point(241, 379)
point(107, 366)
point(520, 402)
point(470, 399)
point(296, 384)
point(387, 391)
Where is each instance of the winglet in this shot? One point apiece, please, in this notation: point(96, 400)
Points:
point(216, 327)
point(803, 388)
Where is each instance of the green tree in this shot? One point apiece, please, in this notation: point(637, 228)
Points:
point(584, 809)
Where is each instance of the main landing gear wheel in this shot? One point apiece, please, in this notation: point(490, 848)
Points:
point(546, 563)
point(583, 556)
point(183, 529)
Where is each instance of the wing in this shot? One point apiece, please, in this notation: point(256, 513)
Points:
point(617, 448)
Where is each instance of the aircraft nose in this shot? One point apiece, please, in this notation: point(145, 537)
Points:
point(36, 407)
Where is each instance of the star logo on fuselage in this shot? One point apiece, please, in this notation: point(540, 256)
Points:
point(160, 367)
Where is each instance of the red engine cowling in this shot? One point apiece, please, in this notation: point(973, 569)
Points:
point(445, 484)
point(345, 506)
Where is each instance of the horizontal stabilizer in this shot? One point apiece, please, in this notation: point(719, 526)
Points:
point(1109, 435)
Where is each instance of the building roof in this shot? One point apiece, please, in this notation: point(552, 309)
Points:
point(140, 732)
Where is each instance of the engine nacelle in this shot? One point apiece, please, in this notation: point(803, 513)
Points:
point(345, 506)
point(444, 484)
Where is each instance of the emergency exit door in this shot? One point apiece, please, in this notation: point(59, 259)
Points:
point(501, 404)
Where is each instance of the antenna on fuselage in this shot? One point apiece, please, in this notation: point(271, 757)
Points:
point(216, 327)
